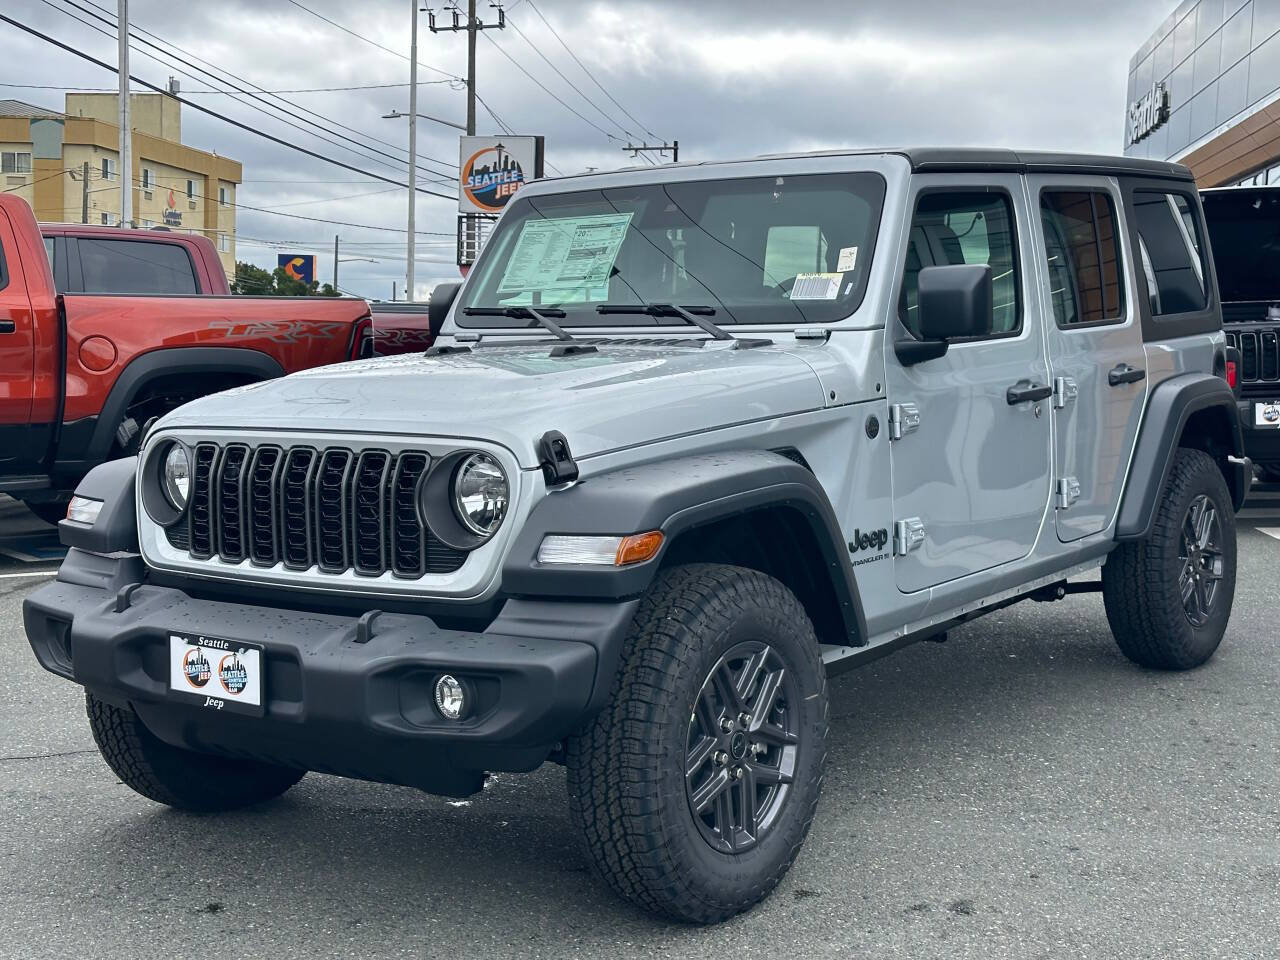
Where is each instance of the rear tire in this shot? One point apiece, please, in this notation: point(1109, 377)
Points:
point(1168, 597)
point(710, 646)
point(1269, 473)
point(184, 779)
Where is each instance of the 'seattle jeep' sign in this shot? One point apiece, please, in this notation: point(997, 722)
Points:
point(1148, 113)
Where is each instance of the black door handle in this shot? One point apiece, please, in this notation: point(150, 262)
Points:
point(8, 326)
point(1024, 391)
point(1123, 373)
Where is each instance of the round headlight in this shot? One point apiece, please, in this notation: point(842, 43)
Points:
point(481, 494)
point(176, 474)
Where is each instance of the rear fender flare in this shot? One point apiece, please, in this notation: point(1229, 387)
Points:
point(236, 361)
point(1171, 408)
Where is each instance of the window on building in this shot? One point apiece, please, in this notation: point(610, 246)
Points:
point(12, 161)
point(148, 179)
point(224, 243)
point(1082, 251)
point(960, 228)
point(110, 219)
point(191, 189)
point(1169, 246)
point(135, 266)
point(224, 196)
point(108, 168)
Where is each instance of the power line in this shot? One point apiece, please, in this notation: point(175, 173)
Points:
point(213, 113)
point(291, 103)
point(561, 75)
point(395, 53)
point(543, 86)
point(363, 151)
point(569, 50)
point(358, 86)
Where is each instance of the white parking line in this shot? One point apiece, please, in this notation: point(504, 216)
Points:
point(39, 573)
point(1273, 532)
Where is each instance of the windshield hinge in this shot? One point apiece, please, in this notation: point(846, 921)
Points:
point(813, 333)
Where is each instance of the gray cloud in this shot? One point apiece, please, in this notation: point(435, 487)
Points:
point(728, 78)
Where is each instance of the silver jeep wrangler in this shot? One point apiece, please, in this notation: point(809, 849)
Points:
point(693, 439)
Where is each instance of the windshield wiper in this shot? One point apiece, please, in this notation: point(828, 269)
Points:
point(694, 315)
point(521, 313)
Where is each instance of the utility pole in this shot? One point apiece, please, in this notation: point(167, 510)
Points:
point(335, 257)
point(410, 252)
point(125, 169)
point(84, 193)
point(472, 26)
point(638, 148)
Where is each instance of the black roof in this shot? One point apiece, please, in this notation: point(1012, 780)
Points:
point(1000, 160)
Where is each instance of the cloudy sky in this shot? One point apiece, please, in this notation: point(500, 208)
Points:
point(727, 78)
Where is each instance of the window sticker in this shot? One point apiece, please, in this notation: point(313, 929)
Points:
point(816, 286)
point(848, 259)
point(565, 252)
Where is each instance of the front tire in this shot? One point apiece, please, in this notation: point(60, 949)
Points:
point(695, 787)
point(201, 783)
point(1168, 597)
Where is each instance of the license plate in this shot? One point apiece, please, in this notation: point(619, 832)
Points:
point(215, 673)
point(1267, 414)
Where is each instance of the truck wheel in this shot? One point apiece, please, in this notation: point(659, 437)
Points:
point(198, 782)
point(1168, 597)
point(1270, 473)
point(696, 785)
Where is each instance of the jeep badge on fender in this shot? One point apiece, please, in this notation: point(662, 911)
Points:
point(407, 593)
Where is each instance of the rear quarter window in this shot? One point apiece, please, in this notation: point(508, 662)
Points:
point(136, 266)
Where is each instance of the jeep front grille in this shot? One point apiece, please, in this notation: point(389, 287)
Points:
point(1259, 354)
point(334, 509)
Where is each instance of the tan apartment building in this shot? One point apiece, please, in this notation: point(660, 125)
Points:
point(66, 165)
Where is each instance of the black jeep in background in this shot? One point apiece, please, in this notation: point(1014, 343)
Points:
point(1244, 231)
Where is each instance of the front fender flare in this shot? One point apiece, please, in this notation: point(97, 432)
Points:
point(675, 496)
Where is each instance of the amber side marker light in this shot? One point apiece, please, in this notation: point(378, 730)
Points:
point(639, 547)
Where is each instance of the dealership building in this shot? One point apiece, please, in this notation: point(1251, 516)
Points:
point(66, 165)
point(1204, 90)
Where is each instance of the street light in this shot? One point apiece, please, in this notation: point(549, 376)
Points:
point(397, 114)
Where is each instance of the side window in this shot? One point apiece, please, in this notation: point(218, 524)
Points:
point(1170, 250)
point(1082, 252)
point(964, 228)
point(135, 266)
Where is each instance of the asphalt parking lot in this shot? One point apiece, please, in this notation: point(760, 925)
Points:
point(1020, 791)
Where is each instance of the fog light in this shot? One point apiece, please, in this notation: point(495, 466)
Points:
point(451, 697)
point(84, 509)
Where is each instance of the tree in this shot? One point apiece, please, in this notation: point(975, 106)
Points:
point(258, 282)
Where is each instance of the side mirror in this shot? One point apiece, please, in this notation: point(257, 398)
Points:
point(953, 301)
point(438, 305)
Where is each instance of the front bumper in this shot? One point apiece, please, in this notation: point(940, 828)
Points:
point(332, 703)
point(1262, 444)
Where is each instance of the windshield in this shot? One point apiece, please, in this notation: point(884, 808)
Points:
point(1244, 231)
point(793, 249)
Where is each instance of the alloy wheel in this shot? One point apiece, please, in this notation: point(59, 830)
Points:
point(742, 746)
point(1201, 557)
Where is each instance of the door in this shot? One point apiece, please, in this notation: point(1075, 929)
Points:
point(22, 443)
point(1095, 348)
point(971, 466)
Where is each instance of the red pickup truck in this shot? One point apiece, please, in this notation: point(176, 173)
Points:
point(82, 373)
point(88, 258)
